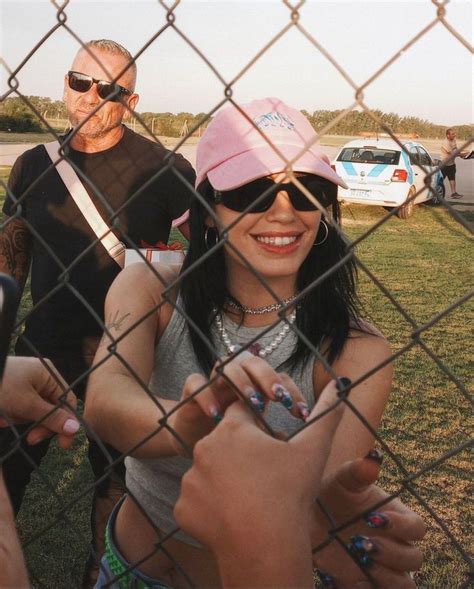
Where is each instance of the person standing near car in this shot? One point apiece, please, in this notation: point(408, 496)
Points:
point(449, 152)
point(71, 270)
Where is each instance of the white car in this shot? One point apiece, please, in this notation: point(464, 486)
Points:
point(378, 172)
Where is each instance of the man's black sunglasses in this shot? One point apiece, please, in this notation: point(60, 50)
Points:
point(240, 198)
point(106, 90)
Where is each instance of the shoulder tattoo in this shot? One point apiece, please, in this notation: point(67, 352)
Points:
point(115, 321)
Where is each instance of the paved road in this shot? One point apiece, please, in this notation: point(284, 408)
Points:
point(464, 177)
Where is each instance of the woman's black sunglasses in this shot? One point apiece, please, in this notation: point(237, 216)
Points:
point(240, 198)
point(106, 90)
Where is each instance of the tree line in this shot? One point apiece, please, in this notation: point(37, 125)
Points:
point(17, 115)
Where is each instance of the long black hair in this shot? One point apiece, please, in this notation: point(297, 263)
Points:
point(327, 312)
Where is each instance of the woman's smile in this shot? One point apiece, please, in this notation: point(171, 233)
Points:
point(276, 242)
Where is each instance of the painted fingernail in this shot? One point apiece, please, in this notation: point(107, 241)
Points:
point(375, 454)
point(304, 410)
point(256, 399)
point(71, 426)
point(326, 580)
point(375, 519)
point(361, 547)
point(216, 414)
point(282, 395)
point(343, 386)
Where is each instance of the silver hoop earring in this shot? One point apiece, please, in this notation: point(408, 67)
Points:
point(211, 231)
point(316, 243)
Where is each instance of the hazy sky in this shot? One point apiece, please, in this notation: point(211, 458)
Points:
point(432, 80)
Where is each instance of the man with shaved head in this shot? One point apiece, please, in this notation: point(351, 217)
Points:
point(71, 270)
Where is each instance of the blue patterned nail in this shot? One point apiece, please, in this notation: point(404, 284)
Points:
point(361, 547)
point(256, 399)
point(325, 579)
point(283, 396)
point(216, 415)
point(343, 386)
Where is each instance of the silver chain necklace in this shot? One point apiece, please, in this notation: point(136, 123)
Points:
point(255, 349)
point(260, 310)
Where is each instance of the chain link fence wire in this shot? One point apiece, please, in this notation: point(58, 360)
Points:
point(408, 476)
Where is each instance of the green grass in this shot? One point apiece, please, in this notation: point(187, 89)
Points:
point(425, 263)
point(6, 137)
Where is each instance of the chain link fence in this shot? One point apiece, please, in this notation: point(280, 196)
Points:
point(430, 477)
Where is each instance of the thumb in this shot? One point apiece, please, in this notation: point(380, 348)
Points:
point(357, 475)
point(314, 442)
point(58, 421)
point(322, 422)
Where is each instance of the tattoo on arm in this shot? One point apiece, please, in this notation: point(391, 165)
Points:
point(114, 323)
point(15, 250)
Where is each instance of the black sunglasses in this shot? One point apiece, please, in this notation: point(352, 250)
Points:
point(106, 90)
point(240, 198)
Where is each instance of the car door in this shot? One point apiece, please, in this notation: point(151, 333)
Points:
point(427, 163)
point(418, 173)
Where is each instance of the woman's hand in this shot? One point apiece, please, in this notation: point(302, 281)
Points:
point(380, 542)
point(34, 391)
point(246, 377)
point(241, 476)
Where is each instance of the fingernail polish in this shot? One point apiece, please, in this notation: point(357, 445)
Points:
point(256, 399)
point(375, 519)
point(282, 395)
point(71, 426)
point(304, 410)
point(326, 580)
point(216, 415)
point(343, 386)
point(361, 547)
point(375, 454)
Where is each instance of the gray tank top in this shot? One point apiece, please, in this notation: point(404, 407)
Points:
point(155, 483)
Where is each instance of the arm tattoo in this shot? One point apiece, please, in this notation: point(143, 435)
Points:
point(15, 250)
point(115, 323)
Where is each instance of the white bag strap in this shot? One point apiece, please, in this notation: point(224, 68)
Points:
point(109, 240)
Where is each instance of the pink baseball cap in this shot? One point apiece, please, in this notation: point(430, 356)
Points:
point(232, 152)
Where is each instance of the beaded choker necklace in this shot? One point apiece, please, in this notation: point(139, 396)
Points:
point(260, 310)
point(256, 349)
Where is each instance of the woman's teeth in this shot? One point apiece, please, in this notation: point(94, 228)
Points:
point(277, 240)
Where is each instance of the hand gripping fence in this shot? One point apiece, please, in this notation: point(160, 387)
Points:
point(425, 433)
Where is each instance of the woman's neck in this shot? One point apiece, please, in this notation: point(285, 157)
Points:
point(259, 305)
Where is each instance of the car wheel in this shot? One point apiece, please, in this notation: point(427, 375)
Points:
point(438, 194)
point(406, 210)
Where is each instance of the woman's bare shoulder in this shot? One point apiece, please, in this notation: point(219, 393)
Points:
point(143, 281)
point(365, 349)
point(363, 328)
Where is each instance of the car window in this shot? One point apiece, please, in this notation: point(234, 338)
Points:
point(425, 159)
point(414, 156)
point(369, 155)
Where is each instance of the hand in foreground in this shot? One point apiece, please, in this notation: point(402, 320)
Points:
point(30, 391)
point(12, 564)
point(249, 497)
point(245, 376)
point(381, 540)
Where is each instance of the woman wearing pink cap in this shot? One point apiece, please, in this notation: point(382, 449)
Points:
point(265, 307)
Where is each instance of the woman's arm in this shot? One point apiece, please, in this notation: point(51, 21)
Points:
point(118, 408)
point(363, 351)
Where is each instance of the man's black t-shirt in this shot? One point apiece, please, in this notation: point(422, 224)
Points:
point(67, 283)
